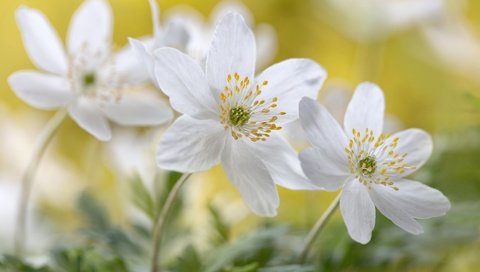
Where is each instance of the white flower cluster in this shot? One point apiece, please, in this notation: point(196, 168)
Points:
point(230, 114)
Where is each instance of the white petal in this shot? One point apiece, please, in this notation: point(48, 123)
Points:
point(358, 211)
point(266, 38)
point(130, 67)
point(282, 162)
point(251, 177)
point(387, 203)
point(326, 165)
point(183, 81)
point(191, 145)
point(365, 110)
point(232, 51)
point(416, 199)
point(138, 109)
point(226, 6)
point(41, 41)
point(418, 146)
point(89, 117)
point(321, 128)
point(289, 81)
point(91, 28)
point(144, 55)
point(43, 91)
point(322, 169)
point(176, 34)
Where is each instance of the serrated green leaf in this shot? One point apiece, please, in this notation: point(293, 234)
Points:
point(254, 248)
point(12, 264)
point(220, 227)
point(142, 198)
point(94, 213)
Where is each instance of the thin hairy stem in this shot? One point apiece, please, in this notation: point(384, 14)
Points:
point(317, 228)
point(27, 180)
point(162, 219)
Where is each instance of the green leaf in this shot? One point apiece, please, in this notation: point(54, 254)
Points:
point(142, 198)
point(288, 268)
point(220, 227)
point(93, 212)
point(188, 261)
point(257, 248)
point(87, 260)
point(12, 264)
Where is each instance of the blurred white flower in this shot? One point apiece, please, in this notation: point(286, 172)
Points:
point(201, 30)
point(92, 82)
point(368, 165)
point(371, 20)
point(133, 153)
point(230, 119)
point(456, 44)
point(175, 34)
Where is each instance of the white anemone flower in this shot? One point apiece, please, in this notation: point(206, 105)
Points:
point(373, 20)
point(89, 80)
point(201, 30)
point(232, 118)
point(175, 34)
point(371, 167)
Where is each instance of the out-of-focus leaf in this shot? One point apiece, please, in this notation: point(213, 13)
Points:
point(100, 230)
point(255, 248)
point(220, 227)
point(244, 268)
point(188, 261)
point(288, 268)
point(142, 198)
point(93, 212)
point(87, 260)
point(12, 264)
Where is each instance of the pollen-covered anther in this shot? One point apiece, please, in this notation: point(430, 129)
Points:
point(374, 160)
point(244, 112)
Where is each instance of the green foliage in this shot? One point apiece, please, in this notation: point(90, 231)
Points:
point(221, 230)
point(99, 228)
point(87, 259)
point(257, 248)
point(143, 199)
point(288, 268)
point(12, 264)
point(188, 261)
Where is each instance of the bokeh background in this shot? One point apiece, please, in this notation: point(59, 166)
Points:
point(428, 68)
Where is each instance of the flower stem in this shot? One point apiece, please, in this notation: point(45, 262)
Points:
point(27, 180)
point(162, 219)
point(317, 228)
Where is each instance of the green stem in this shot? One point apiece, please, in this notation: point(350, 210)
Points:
point(27, 180)
point(317, 228)
point(162, 219)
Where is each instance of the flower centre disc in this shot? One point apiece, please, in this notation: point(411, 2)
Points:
point(239, 116)
point(89, 79)
point(367, 165)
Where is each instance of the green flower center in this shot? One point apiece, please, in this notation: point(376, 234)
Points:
point(89, 79)
point(239, 116)
point(367, 165)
